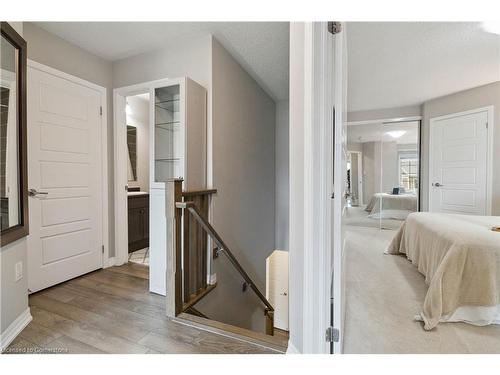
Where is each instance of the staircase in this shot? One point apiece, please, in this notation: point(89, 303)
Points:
point(187, 214)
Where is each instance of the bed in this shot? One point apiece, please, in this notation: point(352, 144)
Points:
point(459, 255)
point(389, 206)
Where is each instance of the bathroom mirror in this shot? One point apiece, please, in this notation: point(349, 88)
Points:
point(13, 158)
point(132, 152)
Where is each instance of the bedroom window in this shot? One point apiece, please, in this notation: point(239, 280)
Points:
point(408, 171)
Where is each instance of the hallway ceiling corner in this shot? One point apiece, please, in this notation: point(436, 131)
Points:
point(261, 48)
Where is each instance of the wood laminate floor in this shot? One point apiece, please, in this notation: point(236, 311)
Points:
point(112, 311)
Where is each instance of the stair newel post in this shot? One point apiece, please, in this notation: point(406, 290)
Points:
point(269, 321)
point(173, 194)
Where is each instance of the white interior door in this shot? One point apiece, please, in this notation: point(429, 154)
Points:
point(458, 164)
point(64, 166)
point(277, 287)
point(339, 202)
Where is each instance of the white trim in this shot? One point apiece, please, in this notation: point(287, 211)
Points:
point(385, 120)
point(291, 349)
point(318, 118)
point(337, 244)
point(120, 158)
point(104, 146)
point(14, 329)
point(490, 110)
point(110, 263)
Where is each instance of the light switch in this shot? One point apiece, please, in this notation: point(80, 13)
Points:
point(19, 271)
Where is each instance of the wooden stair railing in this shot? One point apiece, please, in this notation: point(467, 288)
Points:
point(192, 209)
point(195, 250)
point(188, 231)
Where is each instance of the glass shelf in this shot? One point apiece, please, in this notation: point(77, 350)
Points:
point(171, 125)
point(171, 105)
point(168, 159)
point(168, 134)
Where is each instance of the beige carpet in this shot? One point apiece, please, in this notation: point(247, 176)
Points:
point(384, 292)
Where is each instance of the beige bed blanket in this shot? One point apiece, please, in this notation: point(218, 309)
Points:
point(384, 201)
point(459, 255)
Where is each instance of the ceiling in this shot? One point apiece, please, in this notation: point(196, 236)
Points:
point(374, 132)
point(396, 64)
point(261, 48)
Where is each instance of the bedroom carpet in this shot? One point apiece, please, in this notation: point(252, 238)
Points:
point(384, 292)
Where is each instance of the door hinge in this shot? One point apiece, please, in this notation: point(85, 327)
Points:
point(102, 248)
point(486, 125)
point(100, 110)
point(334, 27)
point(332, 334)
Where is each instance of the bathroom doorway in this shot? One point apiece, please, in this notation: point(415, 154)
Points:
point(137, 164)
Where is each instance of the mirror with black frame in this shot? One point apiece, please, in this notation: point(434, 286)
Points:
point(13, 171)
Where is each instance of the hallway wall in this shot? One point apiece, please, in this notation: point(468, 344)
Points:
point(13, 295)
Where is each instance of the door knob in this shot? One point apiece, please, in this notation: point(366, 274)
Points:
point(437, 184)
point(34, 192)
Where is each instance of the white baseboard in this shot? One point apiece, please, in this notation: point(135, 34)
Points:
point(14, 329)
point(291, 348)
point(111, 262)
point(212, 279)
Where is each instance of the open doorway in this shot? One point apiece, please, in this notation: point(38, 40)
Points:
point(424, 142)
point(137, 164)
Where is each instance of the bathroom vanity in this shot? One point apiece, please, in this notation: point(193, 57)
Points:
point(138, 220)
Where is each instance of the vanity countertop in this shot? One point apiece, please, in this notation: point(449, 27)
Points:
point(137, 193)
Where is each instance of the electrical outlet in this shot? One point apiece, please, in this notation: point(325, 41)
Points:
point(18, 271)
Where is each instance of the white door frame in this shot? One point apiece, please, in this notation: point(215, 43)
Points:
point(104, 146)
point(311, 176)
point(360, 175)
point(120, 162)
point(490, 110)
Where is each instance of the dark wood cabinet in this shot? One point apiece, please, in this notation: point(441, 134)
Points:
point(138, 222)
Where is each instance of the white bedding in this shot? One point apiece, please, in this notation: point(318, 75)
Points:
point(459, 255)
point(389, 206)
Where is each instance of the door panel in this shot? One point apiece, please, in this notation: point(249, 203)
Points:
point(459, 147)
point(64, 142)
point(277, 287)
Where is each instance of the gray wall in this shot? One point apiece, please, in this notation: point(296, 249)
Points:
point(243, 147)
point(388, 178)
point(462, 101)
point(380, 168)
point(282, 195)
point(13, 295)
point(187, 58)
point(244, 175)
point(241, 140)
point(369, 165)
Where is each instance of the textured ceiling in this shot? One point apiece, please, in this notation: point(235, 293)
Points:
point(395, 64)
point(261, 48)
